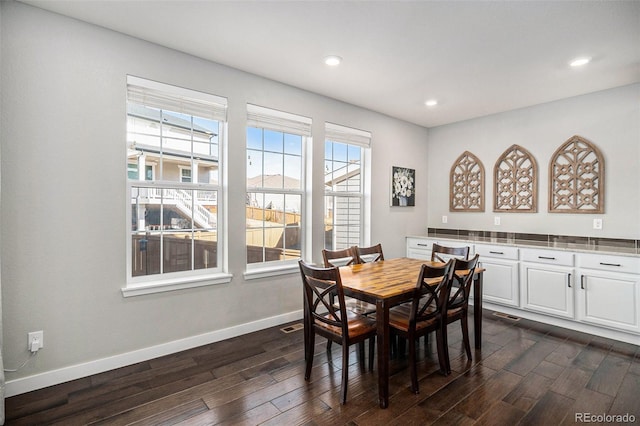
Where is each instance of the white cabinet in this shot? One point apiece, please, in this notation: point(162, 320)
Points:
point(609, 291)
point(500, 281)
point(547, 281)
point(420, 247)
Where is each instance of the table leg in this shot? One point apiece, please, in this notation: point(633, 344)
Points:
point(477, 310)
point(382, 324)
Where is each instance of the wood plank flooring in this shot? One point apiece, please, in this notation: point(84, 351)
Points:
point(526, 373)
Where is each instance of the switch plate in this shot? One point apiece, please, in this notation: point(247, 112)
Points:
point(37, 336)
point(597, 223)
point(496, 220)
point(444, 219)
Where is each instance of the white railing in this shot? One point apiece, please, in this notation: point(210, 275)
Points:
point(182, 200)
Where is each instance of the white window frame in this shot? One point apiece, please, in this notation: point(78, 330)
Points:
point(194, 103)
point(271, 119)
point(361, 139)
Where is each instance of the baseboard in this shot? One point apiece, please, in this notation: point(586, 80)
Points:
point(62, 375)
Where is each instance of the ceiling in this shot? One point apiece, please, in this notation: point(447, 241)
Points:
point(475, 57)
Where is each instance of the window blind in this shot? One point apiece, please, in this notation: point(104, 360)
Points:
point(281, 121)
point(172, 98)
point(338, 133)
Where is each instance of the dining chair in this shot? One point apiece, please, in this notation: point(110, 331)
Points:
point(437, 250)
point(369, 254)
point(424, 315)
point(335, 324)
point(345, 257)
point(458, 301)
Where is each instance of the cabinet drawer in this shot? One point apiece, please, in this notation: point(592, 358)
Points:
point(626, 264)
point(550, 257)
point(420, 243)
point(498, 252)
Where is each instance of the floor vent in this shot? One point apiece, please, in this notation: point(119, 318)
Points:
point(506, 316)
point(293, 327)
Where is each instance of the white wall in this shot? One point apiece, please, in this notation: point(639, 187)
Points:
point(63, 229)
point(609, 119)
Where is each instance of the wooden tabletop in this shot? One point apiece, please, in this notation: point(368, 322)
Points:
point(386, 278)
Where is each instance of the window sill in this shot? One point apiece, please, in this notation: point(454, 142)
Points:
point(161, 286)
point(271, 271)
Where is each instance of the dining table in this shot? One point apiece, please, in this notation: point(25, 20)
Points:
point(391, 282)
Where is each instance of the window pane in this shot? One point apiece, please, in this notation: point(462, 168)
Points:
point(273, 170)
point(254, 138)
point(292, 144)
point(292, 209)
point(254, 169)
point(354, 153)
point(292, 172)
point(177, 248)
point(340, 152)
point(273, 141)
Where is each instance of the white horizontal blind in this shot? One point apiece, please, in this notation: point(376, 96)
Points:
point(177, 99)
point(338, 133)
point(281, 121)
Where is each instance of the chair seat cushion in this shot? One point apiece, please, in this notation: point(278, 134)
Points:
point(358, 325)
point(399, 319)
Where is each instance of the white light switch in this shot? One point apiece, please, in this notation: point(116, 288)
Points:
point(496, 220)
point(597, 223)
point(444, 219)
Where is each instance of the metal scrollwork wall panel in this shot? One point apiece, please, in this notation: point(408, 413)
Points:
point(515, 181)
point(576, 178)
point(466, 184)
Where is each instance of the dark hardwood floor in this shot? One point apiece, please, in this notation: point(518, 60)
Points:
point(526, 373)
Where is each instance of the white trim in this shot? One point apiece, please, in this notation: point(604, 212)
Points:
point(54, 377)
point(160, 286)
point(282, 269)
point(632, 338)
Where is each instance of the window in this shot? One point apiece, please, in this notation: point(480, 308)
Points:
point(175, 135)
point(276, 143)
point(344, 202)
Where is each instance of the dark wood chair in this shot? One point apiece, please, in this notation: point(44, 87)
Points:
point(437, 250)
point(369, 254)
point(424, 315)
point(335, 324)
point(348, 256)
point(458, 301)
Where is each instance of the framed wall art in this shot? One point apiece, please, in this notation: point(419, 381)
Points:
point(403, 189)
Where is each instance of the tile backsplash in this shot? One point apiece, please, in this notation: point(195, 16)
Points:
point(543, 240)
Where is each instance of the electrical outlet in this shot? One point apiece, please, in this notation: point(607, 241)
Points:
point(496, 220)
point(597, 223)
point(36, 340)
point(444, 219)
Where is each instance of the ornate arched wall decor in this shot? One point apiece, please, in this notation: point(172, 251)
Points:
point(576, 178)
point(466, 184)
point(515, 181)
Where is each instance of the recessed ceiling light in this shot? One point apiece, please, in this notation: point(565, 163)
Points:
point(333, 61)
point(578, 62)
point(431, 102)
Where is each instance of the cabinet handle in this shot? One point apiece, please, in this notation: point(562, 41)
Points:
point(496, 252)
point(569, 280)
point(610, 264)
point(582, 282)
point(423, 245)
point(545, 257)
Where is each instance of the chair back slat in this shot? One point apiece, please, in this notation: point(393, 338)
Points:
point(371, 254)
point(320, 285)
point(461, 284)
point(437, 250)
point(342, 257)
point(430, 300)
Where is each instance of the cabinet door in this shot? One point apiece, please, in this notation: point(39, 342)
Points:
point(609, 299)
point(500, 282)
point(547, 289)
